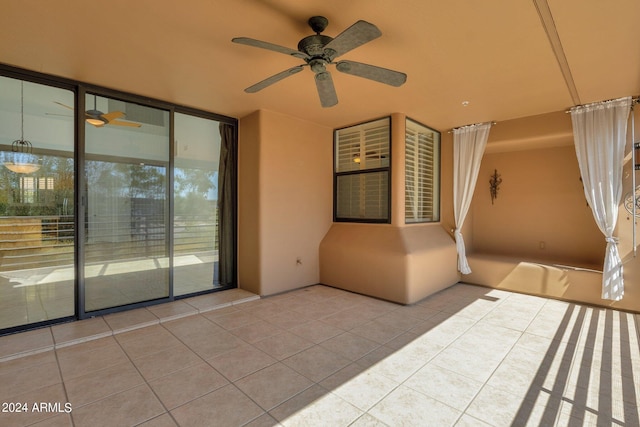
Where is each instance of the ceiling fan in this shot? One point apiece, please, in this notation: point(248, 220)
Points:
point(97, 118)
point(319, 50)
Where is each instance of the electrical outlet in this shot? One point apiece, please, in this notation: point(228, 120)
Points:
point(542, 245)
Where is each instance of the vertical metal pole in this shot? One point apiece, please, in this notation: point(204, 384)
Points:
point(633, 178)
point(80, 207)
point(173, 150)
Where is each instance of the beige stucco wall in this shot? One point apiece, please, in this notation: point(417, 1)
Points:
point(285, 212)
point(541, 199)
point(285, 198)
point(285, 201)
point(540, 211)
point(446, 187)
point(400, 264)
point(397, 262)
point(365, 258)
point(249, 271)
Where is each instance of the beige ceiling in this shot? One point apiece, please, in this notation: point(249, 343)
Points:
point(495, 54)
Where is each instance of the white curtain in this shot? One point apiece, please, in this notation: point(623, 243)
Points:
point(469, 143)
point(600, 131)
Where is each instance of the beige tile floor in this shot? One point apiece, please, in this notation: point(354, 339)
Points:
point(467, 356)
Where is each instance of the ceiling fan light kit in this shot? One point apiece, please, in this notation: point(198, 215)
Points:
point(98, 119)
point(93, 118)
point(318, 51)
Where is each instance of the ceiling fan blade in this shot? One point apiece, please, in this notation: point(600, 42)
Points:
point(273, 79)
point(121, 123)
point(356, 35)
point(371, 72)
point(326, 89)
point(112, 115)
point(269, 46)
point(63, 105)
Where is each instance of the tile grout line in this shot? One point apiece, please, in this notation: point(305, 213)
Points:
point(313, 382)
point(355, 362)
point(64, 385)
point(230, 382)
point(482, 319)
point(572, 364)
point(402, 383)
point(145, 381)
point(464, 411)
point(493, 372)
point(113, 332)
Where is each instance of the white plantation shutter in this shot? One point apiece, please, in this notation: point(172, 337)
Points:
point(347, 149)
point(348, 196)
point(375, 146)
point(375, 187)
point(363, 195)
point(362, 171)
point(422, 174)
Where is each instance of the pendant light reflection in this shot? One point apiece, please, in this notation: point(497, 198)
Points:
point(21, 158)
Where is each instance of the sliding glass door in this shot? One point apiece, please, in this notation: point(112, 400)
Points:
point(196, 242)
point(108, 201)
point(126, 224)
point(36, 203)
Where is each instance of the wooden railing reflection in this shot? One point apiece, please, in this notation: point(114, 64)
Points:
point(28, 242)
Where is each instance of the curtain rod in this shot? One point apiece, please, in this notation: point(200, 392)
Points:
point(451, 130)
point(634, 100)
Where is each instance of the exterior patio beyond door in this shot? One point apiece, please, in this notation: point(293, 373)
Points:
point(105, 204)
point(126, 253)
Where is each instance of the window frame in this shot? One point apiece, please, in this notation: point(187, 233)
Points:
point(437, 160)
point(80, 89)
point(387, 169)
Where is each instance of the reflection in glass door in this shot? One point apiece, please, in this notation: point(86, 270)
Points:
point(197, 153)
point(126, 253)
point(36, 203)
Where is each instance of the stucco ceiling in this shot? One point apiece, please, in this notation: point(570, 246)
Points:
point(494, 54)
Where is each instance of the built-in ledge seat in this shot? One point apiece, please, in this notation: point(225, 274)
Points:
point(568, 281)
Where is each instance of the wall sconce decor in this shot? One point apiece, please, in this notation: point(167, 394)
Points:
point(631, 199)
point(494, 185)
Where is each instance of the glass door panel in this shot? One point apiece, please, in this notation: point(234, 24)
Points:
point(197, 153)
point(126, 253)
point(36, 203)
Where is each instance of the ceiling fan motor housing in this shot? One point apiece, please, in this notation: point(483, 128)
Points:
point(314, 46)
point(319, 50)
